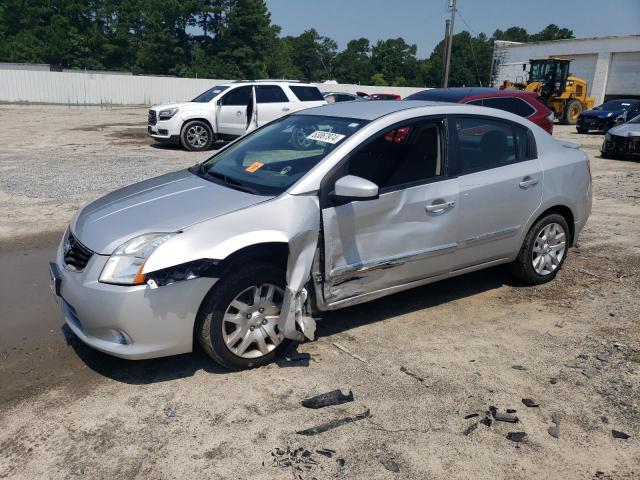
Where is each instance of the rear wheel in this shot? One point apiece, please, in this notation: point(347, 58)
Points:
point(196, 135)
point(237, 324)
point(572, 111)
point(543, 251)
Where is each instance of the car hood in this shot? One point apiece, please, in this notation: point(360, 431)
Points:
point(601, 113)
point(626, 130)
point(168, 203)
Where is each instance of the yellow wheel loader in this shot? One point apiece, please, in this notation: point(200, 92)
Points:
point(563, 93)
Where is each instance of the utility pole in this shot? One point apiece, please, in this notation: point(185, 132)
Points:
point(447, 22)
point(452, 6)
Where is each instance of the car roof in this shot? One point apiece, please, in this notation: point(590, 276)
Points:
point(366, 110)
point(455, 94)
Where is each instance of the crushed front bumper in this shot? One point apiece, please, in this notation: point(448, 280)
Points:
point(621, 146)
point(129, 322)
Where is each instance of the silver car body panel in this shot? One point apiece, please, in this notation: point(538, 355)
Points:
point(626, 130)
point(167, 203)
point(369, 248)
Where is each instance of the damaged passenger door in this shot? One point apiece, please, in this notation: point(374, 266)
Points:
point(406, 233)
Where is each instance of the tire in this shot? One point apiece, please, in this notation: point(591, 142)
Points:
point(582, 130)
point(572, 111)
point(196, 136)
point(531, 271)
point(215, 333)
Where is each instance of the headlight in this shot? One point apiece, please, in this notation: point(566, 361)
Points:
point(167, 114)
point(609, 114)
point(125, 265)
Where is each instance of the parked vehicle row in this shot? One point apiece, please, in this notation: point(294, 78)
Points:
point(608, 115)
point(622, 141)
point(244, 250)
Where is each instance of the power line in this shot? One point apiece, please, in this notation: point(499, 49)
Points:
point(473, 53)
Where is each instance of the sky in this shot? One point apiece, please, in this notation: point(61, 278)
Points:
point(422, 21)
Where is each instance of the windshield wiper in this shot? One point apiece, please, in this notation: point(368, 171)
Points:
point(232, 183)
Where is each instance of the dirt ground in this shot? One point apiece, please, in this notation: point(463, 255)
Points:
point(422, 360)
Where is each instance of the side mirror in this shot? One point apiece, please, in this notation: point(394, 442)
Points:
point(219, 102)
point(351, 187)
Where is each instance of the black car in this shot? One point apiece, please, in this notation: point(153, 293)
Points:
point(607, 115)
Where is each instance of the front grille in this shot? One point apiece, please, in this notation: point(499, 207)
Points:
point(75, 255)
point(152, 117)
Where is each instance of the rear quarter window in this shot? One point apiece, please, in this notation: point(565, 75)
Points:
point(306, 94)
point(510, 104)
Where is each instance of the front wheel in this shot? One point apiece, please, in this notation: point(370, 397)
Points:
point(543, 251)
point(572, 111)
point(196, 135)
point(237, 324)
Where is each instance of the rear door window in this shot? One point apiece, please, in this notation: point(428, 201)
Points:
point(510, 104)
point(306, 94)
point(270, 94)
point(483, 143)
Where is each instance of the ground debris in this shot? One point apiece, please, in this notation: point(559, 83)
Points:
point(516, 436)
point(590, 372)
point(518, 367)
point(470, 428)
point(529, 402)
point(335, 397)
point(348, 352)
point(554, 431)
point(619, 434)
point(295, 459)
point(471, 415)
point(390, 465)
point(411, 374)
point(326, 452)
point(486, 421)
point(324, 427)
point(505, 417)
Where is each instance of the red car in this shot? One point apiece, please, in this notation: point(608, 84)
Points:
point(524, 104)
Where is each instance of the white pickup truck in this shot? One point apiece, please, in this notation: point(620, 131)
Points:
point(229, 111)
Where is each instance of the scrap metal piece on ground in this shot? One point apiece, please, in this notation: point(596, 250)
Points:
point(470, 429)
point(505, 417)
point(554, 431)
point(516, 436)
point(471, 415)
point(486, 421)
point(530, 402)
point(619, 434)
point(335, 397)
point(518, 367)
point(324, 427)
point(326, 452)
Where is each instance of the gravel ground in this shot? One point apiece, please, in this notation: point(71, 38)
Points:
point(419, 362)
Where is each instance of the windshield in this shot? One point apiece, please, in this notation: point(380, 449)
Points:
point(271, 159)
point(209, 94)
point(539, 71)
point(614, 105)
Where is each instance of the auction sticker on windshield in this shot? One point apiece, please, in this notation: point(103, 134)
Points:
point(254, 167)
point(326, 137)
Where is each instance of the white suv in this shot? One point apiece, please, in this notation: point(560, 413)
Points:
point(229, 111)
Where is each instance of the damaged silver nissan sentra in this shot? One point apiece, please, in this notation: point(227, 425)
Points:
point(326, 208)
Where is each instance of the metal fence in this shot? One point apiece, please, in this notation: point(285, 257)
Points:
point(80, 88)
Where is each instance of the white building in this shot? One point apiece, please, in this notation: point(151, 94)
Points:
point(610, 65)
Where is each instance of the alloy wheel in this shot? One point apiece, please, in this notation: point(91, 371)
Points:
point(250, 323)
point(197, 136)
point(549, 249)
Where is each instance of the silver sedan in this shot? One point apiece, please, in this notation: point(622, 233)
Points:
point(322, 209)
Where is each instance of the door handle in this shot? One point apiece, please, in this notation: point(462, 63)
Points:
point(285, 109)
point(528, 182)
point(440, 207)
point(239, 112)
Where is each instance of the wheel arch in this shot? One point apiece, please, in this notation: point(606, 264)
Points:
point(198, 118)
point(562, 210)
point(274, 252)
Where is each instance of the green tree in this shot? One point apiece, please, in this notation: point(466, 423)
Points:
point(378, 80)
point(353, 64)
point(394, 58)
point(247, 40)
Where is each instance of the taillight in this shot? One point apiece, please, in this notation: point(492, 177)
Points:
point(551, 117)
